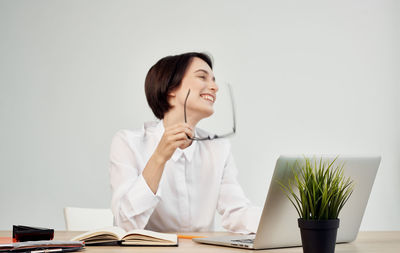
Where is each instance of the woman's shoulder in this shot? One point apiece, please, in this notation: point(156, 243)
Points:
point(139, 134)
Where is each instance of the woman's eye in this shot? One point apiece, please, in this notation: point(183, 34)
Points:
point(202, 77)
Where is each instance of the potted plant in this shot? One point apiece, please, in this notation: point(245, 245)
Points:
point(318, 191)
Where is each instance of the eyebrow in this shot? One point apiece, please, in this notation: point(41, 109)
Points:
point(205, 71)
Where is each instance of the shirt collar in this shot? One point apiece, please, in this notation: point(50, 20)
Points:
point(187, 152)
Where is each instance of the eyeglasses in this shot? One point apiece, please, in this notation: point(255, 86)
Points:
point(215, 136)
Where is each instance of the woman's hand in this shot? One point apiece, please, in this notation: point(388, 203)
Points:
point(174, 136)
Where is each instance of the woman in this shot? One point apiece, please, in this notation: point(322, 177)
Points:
point(161, 179)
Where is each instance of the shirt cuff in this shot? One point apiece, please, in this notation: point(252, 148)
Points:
point(139, 199)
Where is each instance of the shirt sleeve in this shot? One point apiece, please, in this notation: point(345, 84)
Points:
point(133, 202)
point(238, 214)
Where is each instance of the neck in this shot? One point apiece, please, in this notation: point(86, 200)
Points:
point(176, 116)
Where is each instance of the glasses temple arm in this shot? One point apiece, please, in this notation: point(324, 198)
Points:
point(184, 106)
point(233, 108)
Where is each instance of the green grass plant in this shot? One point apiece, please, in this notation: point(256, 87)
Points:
point(323, 190)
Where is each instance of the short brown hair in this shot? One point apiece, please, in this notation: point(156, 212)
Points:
point(165, 76)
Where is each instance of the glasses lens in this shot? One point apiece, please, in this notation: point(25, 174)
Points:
point(221, 122)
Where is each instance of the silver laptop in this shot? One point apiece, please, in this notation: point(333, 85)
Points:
point(278, 224)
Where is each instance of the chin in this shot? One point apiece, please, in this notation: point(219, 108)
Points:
point(201, 112)
point(207, 113)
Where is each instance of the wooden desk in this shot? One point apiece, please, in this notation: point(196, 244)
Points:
point(377, 242)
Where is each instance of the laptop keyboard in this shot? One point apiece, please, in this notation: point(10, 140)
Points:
point(242, 242)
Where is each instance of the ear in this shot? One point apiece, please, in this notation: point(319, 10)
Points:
point(171, 98)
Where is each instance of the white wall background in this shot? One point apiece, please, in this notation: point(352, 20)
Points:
point(309, 77)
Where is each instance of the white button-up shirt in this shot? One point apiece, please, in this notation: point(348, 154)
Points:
point(196, 182)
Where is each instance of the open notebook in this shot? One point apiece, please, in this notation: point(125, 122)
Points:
point(116, 235)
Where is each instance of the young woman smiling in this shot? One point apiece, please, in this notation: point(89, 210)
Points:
point(163, 177)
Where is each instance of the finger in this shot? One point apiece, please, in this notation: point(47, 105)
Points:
point(179, 125)
point(181, 137)
point(181, 129)
point(189, 132)
point(183, 124)
point(180, 144)
point(171, 139)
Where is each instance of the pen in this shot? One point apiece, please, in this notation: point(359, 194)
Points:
point(189, 236)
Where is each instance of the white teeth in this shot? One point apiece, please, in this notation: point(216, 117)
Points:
point(208, 97)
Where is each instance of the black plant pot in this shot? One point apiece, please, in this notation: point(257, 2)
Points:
point(318, 236)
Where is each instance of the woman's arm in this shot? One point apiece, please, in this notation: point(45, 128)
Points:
point(173, 137)
point(238, 214)
point(133, 201)
point(135, 191)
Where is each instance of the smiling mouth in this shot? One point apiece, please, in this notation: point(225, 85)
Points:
point(208, 97)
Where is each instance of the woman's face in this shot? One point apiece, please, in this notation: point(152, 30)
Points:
point(199, 78)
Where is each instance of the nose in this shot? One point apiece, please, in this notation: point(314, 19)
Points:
point(213, 86)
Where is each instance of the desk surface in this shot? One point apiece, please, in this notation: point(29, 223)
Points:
point(382, 242)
